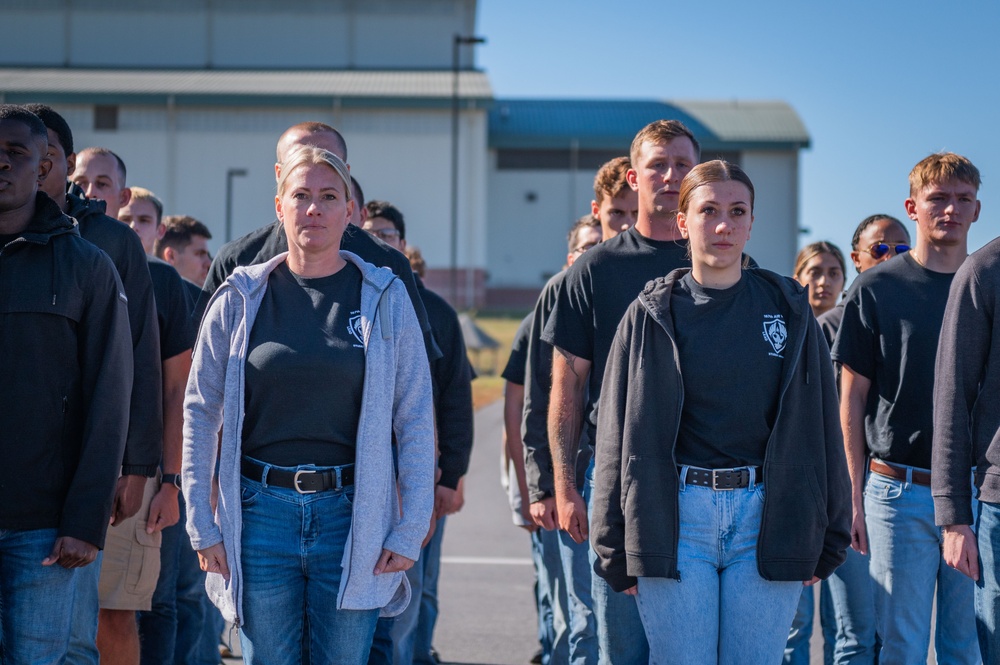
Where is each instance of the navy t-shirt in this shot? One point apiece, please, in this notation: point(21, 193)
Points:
point(305, 370)
point(889, 335)
point(731, 345)
point(597, 290)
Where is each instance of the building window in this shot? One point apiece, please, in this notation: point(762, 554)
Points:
point(106, 117)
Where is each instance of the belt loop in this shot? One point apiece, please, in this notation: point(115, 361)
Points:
point(909, 476)
point(753, 478)
point(683, 480)
point(340, 482)
point(263, 475)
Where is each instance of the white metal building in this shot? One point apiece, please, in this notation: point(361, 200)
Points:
point(192, 92)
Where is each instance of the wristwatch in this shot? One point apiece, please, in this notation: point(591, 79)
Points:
point(171, 479)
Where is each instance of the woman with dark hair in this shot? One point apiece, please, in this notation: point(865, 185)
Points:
point(309, 365)
point(820, 268)
point(721, 485)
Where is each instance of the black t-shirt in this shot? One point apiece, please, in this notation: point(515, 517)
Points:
point(305, 370)
point(173, 309)
point(193, 291)
point(829, 322)
point(597, 290)
point(889, 335)
point(516, 363)
point(731, 345)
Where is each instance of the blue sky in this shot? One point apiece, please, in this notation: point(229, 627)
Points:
point(879, 84)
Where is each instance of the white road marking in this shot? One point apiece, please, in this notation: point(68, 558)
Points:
point(488, 560)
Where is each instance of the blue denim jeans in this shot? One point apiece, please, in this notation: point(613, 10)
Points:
point(158, 627)
point(553, 628)
point(854, 609)
point(36, 601)
point(621, 639)
point(293, 545)
point(720, 610)
point(988, 587)
point(86, 608)
point(578, 611)
point(797, 650)
point(413, 630)
point(906, 566)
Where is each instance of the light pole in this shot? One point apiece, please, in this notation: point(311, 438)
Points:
point(230, 174)
point(459, 41)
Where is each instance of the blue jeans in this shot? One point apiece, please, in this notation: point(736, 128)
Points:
point(578, 612)
point(293, 545)
point(906, 565)
point(720, 610)
point(86, 607)
point(988, 587)
point(158, 627)
point(621, 638)
point(854, 609)
point(413, 630)
point(36, 601)
point(797, 648)
point(543, 595)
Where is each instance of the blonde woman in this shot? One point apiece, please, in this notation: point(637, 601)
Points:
point(308, 364)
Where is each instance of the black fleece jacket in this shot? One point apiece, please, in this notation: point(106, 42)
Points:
point(267, 242)
point(805, 528)
point(145, 429)
point(65, 356)
point(451, 376)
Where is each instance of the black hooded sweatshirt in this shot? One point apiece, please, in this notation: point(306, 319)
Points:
point(145, 431)
point(65, 354)
point(805, 528)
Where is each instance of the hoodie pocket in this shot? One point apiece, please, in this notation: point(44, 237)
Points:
point(795, 516)
point(649, 504)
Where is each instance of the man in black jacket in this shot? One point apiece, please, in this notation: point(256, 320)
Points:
point(143, 447)
point(67, 379)
point(967, 435)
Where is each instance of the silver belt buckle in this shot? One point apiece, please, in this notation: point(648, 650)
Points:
point(715, 476)
point(295, 481)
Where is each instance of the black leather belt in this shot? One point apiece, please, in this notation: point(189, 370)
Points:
point(723, 479)
point(302, 481)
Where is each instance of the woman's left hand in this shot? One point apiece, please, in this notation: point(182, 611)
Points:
point(390, 562)
point(811, 582)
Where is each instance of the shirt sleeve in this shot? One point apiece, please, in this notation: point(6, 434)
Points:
point(571, 323)
point(857, 340)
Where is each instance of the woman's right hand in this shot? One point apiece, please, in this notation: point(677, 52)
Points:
point(859, 532)
point(213, 560)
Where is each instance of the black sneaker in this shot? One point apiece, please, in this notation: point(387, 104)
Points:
point(537, 658)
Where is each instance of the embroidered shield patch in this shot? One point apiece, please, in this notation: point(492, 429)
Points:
point(776, 334)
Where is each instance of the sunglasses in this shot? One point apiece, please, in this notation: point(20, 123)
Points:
point(880, 249)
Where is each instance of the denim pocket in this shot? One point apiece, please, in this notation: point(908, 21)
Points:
point(348, 494)
point(883, 488)
point(248, 497)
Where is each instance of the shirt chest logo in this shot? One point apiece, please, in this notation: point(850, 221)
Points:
point(775, 333)
point(354, 328)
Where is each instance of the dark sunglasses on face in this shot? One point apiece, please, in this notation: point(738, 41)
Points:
point(880, 249)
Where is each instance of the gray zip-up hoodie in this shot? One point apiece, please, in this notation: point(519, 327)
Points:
point(397, 398)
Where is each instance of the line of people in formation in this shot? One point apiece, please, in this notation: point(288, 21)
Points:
point(668, 400)
point(696, 444)
point(268, 440)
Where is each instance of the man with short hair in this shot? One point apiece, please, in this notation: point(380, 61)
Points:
point(886, 346)
point(143, 447)
point(67, 368)
point(183, 243)
point(595, 294)
point(267, 242)
point(413, 631)
point(102, 176)
point(100, 173)
point(967, 435)
point(565, 563)
point(143, 213)
point(615, 203)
